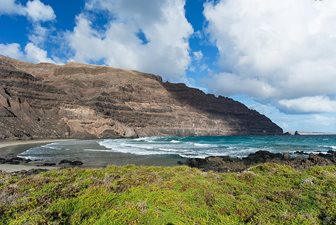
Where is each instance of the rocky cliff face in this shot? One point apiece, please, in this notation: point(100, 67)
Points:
point(86, 101)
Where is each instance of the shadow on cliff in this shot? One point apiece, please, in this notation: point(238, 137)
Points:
point(240, 117)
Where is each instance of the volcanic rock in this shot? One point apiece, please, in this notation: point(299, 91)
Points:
point(71, 163)
point(231, 164)
point(87, 101)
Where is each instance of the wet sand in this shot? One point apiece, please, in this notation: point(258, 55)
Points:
point(15, 143)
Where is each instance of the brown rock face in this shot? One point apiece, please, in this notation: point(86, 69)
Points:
point(86, 101)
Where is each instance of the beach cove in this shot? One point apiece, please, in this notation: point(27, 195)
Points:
point(166, 151)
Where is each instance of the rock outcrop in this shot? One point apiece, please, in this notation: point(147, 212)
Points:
point(298, 160)
point(87, 101)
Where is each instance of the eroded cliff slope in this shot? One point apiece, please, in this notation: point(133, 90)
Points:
point(87, 101)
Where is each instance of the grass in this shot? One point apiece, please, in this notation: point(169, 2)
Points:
point(265, 194)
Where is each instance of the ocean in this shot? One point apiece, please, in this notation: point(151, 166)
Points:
point(179, 147)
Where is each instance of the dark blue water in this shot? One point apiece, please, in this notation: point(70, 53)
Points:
point(190, 147)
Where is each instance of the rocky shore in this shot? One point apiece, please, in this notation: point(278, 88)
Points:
point(27, 166)
point(298, 160)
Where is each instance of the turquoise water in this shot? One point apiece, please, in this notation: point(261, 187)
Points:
point(188, 147)
point(238, 146)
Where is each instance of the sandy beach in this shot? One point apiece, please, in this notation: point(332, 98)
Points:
point(27, 142)
point(87, 151)
point(12, 148)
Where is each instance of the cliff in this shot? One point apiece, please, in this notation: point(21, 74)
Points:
point(86, 101)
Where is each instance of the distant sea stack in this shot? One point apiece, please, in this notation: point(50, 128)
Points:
point(86, 101)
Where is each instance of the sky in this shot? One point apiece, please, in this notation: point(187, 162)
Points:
point(277, 57)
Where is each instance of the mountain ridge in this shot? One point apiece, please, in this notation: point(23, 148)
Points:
point(88, 101)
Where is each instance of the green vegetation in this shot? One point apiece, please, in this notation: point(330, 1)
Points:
point(265, 194)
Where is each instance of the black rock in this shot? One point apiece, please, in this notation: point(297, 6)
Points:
point(27, 160)
point(301, 153)
point(263, 156)
point(13, 162)
point(48, 164)
point(64, 161)
point(2, 160)
point(17, 159)
point(71, 163)
point(76, 163)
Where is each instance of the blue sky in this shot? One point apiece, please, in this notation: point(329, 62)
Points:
point(276, 57)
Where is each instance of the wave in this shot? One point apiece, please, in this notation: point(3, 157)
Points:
point(330, 147)
point(187, 147)
point(204, 145)
point(52, 146)
point(149, 147)
point(184, 149)
point(147, 139)
point(138, 147)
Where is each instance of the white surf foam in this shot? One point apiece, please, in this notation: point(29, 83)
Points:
point(328, 146)
point(52, 146)
point(98, 150)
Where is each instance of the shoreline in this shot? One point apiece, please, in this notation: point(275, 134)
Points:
point(12, 143)
point(6, 152)
point(222, 164)
point(9, 162)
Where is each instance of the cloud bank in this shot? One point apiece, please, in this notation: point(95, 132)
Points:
point(314, 104)
point(276, 51)
point(149, 35)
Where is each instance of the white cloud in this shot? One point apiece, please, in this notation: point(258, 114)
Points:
point(11, 50)
point(309, 104)
point(38, 34)
point(31, 53)
point(274, 50)
point(34, 10)
point(307, 122)
point(36, 54)
point(38, 11)
point(198, 55)
point(11, 7)
point(231, 84)
point(163, 24)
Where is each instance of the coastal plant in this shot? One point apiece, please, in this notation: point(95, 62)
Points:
point(264, 194)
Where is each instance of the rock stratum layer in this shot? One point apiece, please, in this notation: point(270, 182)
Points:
point(87, 101)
